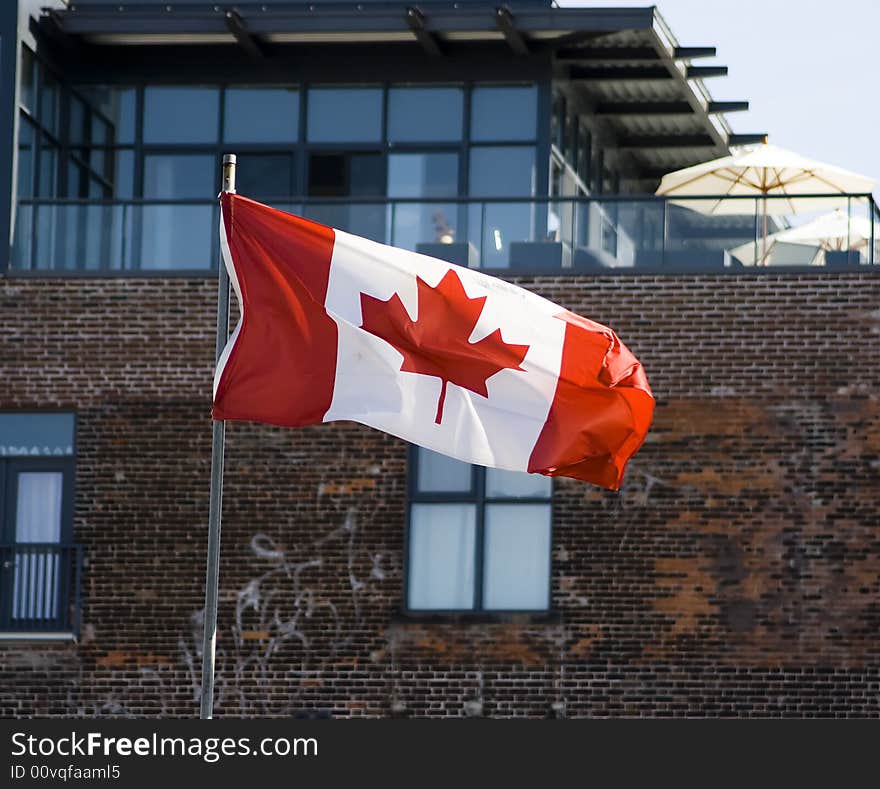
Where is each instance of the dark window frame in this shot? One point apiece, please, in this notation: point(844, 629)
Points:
point(10, 467)
point(476, 495)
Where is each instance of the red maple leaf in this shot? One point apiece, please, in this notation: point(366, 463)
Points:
point(437, 343)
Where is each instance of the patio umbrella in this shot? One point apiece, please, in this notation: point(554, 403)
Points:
point(835, 231)
point(781, 179)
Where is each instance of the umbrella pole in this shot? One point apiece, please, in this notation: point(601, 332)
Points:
point(764, 242)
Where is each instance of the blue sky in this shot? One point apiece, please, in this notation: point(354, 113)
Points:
point(808, 67)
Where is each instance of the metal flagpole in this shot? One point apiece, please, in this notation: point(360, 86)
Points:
point(216, 500)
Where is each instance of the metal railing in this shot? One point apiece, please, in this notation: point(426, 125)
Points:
point(593, 235)
point(40, 588)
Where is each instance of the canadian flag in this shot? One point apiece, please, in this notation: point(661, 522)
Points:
point(335, 327)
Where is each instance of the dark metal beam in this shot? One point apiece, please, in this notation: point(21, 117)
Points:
point(607, 54)
point(569, 40)
point(687, 53)
point(416, 21)
point(667, 141)
point(746, 139)
point(52, 31)
point(644, 108)
point(701, 72)
point(159, 19)
point(246, 41)
point(588, 73)
point(507, 25)
point(714, 107)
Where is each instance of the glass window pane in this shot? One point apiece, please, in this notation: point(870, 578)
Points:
point(417, 224)
point(423, 175)
point(344, 115)
point(123, 177)
point(502, 171)
point(30, 434)
point(22, 242)
point(76, 123)
point(504, 113)
point(361, 219)
point(115, 106)
point(265, 175)
point(261, 115)
point(179, 176)
point(38, 506)
point(517, 557)
point(181, 114)
point(441, 556)
point(442, 474)
point(493, 227)
point(38, 519)
point(48, 181)
point(502, 483)
point(346, 175)
point(48, 114)
point(425, 114)
point(25, 159)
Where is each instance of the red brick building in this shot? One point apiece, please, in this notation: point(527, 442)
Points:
point(736, 572)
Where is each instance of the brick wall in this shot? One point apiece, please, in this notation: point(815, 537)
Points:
point(735, 574)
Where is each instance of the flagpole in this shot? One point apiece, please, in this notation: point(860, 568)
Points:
point(218, 442)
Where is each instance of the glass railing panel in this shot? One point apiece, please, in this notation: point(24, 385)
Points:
point(701, 234)
point(23, 238)
point(361, 219)
point(618, 234)
point(419, 226)
point(500, 232)
point(174, 237)
point(528, 235)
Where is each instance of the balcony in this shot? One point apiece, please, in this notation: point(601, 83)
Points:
point(40, 590)
point(609, 235)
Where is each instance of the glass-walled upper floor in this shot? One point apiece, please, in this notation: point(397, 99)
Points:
point(496, 175)
point(329, 145)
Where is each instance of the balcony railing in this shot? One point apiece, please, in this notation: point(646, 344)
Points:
point(595, 235)
point(40, 588)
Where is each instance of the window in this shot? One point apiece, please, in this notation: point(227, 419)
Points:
point(179, 115)
point(428, 175)
point(504, 113)
point(344, 115)
point(425, 114)
point(478, 538)
point(501, 171)
point(38, 563)
point(261, 115)
point(151, 153)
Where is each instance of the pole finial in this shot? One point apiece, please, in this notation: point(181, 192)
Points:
point(229, 160)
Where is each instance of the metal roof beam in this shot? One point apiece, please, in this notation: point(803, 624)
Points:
point(593, 73)
point(246, 41)
point(701, 72)
point(714, 107)
point(746, 139)
point(507, 25)
point(607, 54)
point(688, 53)
point(572, 24)
point(667, 141)
point(416, 21)
point(644, 108)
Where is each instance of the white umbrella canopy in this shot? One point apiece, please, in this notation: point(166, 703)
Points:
point(835, 231)
point(786, 178)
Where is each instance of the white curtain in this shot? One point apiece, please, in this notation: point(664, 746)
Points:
point(38, 519)
point(441, 556)
point(517, 556)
